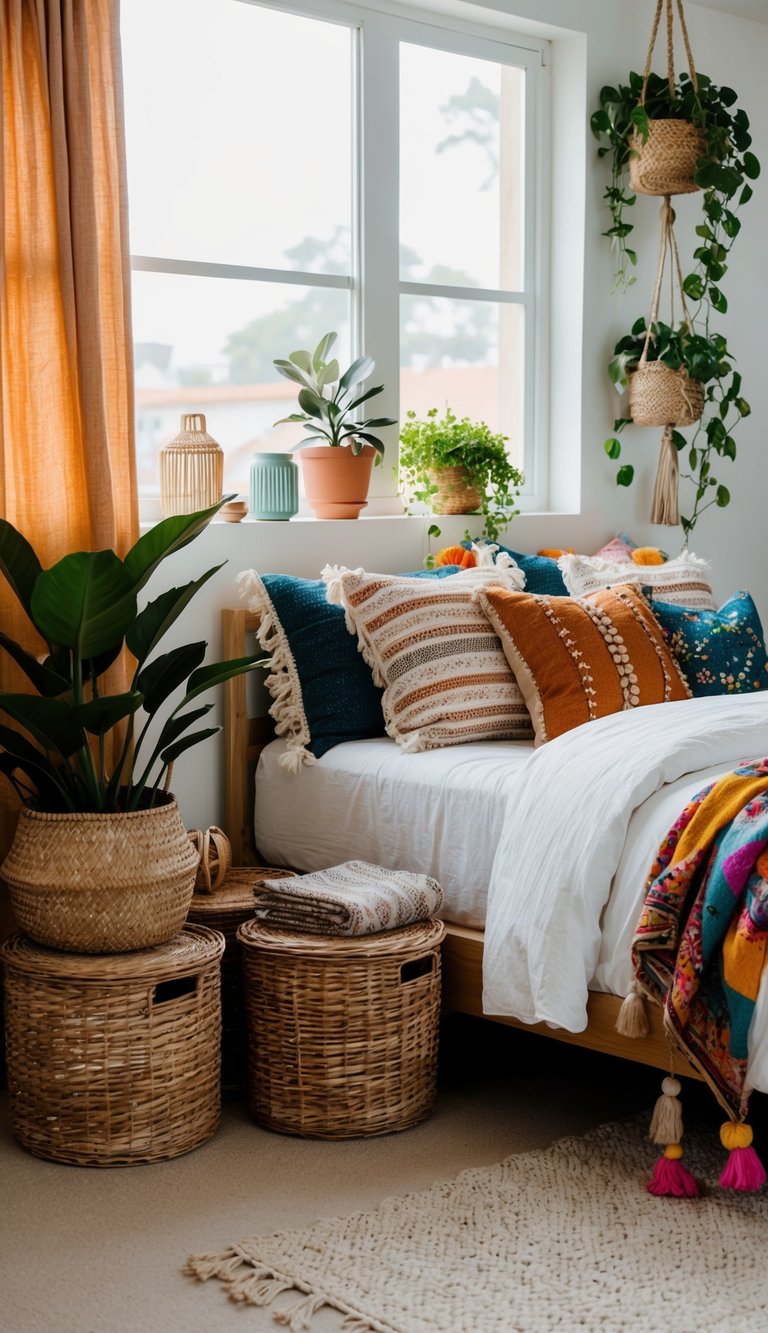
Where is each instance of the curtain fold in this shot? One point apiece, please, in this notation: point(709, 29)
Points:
point(67, 466)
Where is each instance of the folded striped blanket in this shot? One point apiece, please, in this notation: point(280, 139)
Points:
point(700, 944)
point(355, 898)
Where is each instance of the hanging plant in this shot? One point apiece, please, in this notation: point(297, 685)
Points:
point(623, 123)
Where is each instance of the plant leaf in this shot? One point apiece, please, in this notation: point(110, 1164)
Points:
point(86, 602)
point(165, 538)
point(313, 405)
point(178, 723)
point(321, 351)
point(157, 617)
point(160, 678)
point(18, 563)
point(46, 681)
point(49, 721)
point(358, 371)
point(218, 672)
point(178, 747)
point(625, 475)
point(301, 359)
point(98, 716)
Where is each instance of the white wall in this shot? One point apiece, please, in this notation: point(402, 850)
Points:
point(731, 50)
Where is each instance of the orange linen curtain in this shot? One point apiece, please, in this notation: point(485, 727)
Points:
point(67, 469)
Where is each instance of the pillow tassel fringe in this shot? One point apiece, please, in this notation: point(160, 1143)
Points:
point(332, 577)
point(633, 1018)
point(282, 683)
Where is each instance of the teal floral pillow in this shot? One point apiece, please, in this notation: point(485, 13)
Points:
point(719, 652)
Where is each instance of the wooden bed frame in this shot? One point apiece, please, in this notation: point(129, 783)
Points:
point(462, 950)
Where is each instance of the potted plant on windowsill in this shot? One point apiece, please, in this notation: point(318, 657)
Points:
point(101, 862)
point(708, 134)
point(340, 451)
point(457, 466)
point(678, 377)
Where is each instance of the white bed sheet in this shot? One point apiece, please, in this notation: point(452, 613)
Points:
point(369, 799)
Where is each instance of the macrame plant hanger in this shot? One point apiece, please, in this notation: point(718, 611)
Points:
point(658, 395)
point(665, 163)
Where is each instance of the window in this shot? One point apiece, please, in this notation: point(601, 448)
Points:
point(281, 186)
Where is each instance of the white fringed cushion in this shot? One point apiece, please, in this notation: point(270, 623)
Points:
point(684, 581)
point(446, 680)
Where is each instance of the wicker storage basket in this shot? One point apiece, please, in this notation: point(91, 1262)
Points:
point(659, 396)
point(342, 1032)
point(114, 1061)
point(225, 909)
point(665, 163)
point(90, 883)
point(453, 495)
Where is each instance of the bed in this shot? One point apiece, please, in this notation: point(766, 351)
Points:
point(413, 811)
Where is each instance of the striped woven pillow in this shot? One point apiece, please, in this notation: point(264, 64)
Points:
point(445, 678)
point(578, 659)
point(684, 581)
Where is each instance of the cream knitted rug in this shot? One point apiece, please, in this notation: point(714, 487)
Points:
point(566, 1238)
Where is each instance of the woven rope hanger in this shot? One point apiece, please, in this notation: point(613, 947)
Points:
point(664, 509)
point(660, 4)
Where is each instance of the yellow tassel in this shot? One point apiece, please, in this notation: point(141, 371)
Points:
point(734, 1135)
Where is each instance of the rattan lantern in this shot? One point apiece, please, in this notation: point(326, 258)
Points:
point(191, 469)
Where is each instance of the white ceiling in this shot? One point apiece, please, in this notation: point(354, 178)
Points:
point(746, 9)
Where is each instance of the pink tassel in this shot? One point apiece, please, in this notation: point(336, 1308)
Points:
point(743, 1171)
point(670, 1177)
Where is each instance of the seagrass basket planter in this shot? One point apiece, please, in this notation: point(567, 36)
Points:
point(342, 1032)
point(114, 1060)
point(659, 396)
point(101, 883)
point(454, 495)
point(191, 468)
point(225, 909)
point(666, 162)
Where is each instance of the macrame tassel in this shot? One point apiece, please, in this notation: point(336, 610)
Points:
point(670, 1177)
point(665, 507)
point(633, 1020)
point(743, 1171)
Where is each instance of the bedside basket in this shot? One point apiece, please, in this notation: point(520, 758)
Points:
point(114, 1059)
point(342, 1031)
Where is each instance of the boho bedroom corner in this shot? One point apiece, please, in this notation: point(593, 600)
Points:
point(383, 666)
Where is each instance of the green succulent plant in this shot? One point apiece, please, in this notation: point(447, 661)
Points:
point(53, 746)
point(330, 400)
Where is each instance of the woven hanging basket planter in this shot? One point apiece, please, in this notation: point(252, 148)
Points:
point(666, 162)
point(659, 396)
point(453, 495)
point(101, 883)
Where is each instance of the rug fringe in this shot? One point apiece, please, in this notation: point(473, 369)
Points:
point(250, 1283)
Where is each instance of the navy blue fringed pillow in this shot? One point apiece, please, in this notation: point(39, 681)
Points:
point(719, 652)
point(541, 572)
point(322, 691)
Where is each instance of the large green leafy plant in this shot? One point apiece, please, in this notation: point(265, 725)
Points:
point(723, 173)
point(53, 748)
point(706, 358)
point(330, 401)
point(430, 443)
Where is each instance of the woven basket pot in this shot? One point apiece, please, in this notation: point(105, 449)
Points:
point(453, 495)
point(659, 396)
point(101, 883)
point(665, 163)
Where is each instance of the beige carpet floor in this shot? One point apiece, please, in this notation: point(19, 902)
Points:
point(102, 1250)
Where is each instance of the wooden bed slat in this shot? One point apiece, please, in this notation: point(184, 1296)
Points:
point(462, 949)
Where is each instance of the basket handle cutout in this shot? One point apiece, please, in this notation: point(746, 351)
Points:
point(175, 989)
point(417, 967)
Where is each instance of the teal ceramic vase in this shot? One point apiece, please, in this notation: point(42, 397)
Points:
point(274, 486)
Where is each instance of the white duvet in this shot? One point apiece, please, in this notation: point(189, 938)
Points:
point(567, 814)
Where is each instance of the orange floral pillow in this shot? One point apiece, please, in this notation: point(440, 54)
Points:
point(576, 660)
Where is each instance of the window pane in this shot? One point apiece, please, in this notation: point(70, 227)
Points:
point(207, 345)
point(466, 355)
point(461, 170)
point(226, 159)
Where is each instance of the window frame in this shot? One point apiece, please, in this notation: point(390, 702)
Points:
point(374, 283)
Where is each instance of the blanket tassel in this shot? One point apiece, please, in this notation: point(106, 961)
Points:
point(633, 1020)
point(670, 1177)
point(743, 1171)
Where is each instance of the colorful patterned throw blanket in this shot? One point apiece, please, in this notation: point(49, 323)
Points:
point(355, 898)
point(700, 943)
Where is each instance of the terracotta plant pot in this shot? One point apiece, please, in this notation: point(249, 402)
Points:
point(336, 480)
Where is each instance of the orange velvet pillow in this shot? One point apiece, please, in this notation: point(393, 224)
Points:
point(577, 660)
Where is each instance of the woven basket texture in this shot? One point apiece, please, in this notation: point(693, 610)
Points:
point(225, 910)
point(659, 396)
point(114, 1061)
point(191, 469)
point(342, 1032)
point(91, 883)
point(453, 495)
point(665, 163)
